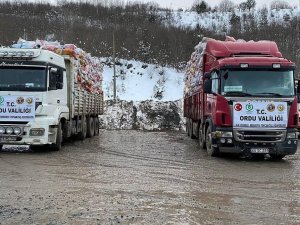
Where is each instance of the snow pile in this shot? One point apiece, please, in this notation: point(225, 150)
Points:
point(149, 97)
point(145, 115)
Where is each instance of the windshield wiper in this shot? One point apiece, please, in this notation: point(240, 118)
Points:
point(16, 85)
point(237, 93)
point(269, 93)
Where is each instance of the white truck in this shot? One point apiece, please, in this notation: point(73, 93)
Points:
point(42, 103)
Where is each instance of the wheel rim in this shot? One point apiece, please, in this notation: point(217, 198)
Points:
point(201, 139)
point(84, 130)
point(85, 126)
point(188, 128)
point(208, 141)
point(59, 139)
point(96, 126)
point(92, 126)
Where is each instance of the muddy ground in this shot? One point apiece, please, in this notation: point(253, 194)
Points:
point(135, 177)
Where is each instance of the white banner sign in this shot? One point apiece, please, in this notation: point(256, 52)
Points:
point(260, 114)
point(17, 108)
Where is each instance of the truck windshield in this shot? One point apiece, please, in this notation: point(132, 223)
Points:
point(271, 83)
point(23, 78)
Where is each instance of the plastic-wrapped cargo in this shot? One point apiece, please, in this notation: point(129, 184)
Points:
point(194, 68)
point(88, 68)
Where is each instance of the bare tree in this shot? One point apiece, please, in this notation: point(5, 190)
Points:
point(226, 6)
point(200, 6)
point(280, 4)
point(263, 19)
point(250, 4)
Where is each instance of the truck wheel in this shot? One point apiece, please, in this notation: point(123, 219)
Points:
point(90, 127)
point(57, 145)
point(82, 134)
point(202, 143)
point(211, 150)
point(190, 129)
point(276, 157)
point(187, 128)
point(96, 124)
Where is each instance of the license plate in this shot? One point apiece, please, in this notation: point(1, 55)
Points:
point(3, 139)
point(260, 150)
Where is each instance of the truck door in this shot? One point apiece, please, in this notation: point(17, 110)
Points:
point(57, 87)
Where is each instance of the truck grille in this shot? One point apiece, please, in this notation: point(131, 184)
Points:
point(266, 136)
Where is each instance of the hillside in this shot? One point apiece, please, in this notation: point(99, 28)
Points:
point(152, 45)
point(145, 32)
point(138, 81)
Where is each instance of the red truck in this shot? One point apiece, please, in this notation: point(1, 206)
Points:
point(240, 98)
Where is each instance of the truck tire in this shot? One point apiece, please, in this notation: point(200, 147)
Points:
point(201, 138)
point(90, 127)
point(187, 128)
point(96, 124)
point(190, 129)
point(82, 134)
point(211, 150)
point(57, 145)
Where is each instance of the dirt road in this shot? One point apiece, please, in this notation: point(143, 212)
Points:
point(132, 177)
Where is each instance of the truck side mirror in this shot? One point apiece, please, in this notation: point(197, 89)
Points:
point(60, 80)
point(298, 88)
point(207, 76)
point(298, 97)
point(207, 86)
point(55, 79)
point(53, 70)
point(59, 85)
point(52, 79)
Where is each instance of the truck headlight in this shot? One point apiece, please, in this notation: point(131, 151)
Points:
point(292, 135)
point(2, 130)
point(9, 130)
point(224, 134)
point(37, 132)
point(17, 130)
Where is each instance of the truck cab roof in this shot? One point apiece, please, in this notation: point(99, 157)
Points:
point(222, 49)
point(234, 53)
point(38, 55)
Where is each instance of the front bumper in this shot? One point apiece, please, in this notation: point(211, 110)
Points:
point(27, 136)
point(275, 141)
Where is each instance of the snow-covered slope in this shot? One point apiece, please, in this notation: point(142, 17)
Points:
point(137, 81)
point(149, 97)
point(217, 21)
